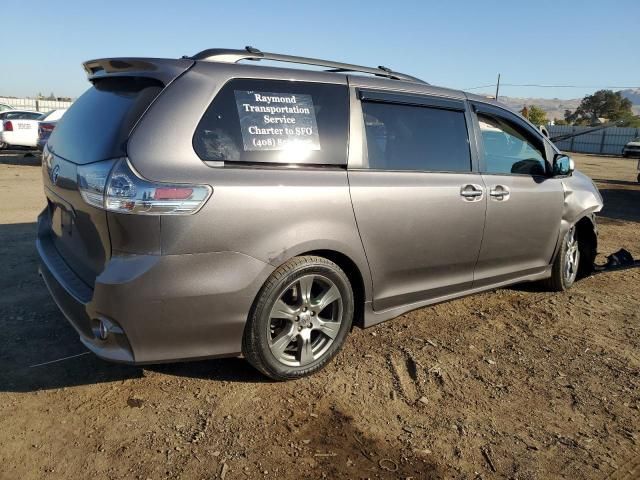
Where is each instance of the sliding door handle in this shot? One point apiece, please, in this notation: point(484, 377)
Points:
point(471, 192)
point(500, 192)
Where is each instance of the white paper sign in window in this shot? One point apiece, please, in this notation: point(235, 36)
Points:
point(277, 121)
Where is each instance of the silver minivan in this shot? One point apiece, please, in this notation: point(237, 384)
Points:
point(207, 206)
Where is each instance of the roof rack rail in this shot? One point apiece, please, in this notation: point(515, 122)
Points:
point(250, 53)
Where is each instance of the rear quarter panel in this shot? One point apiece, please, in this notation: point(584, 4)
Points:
point(269, 213)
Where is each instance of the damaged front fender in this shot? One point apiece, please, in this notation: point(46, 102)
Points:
point(581, 199)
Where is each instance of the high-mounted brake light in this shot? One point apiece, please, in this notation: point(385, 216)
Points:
point(8, 126)
point(121, 189)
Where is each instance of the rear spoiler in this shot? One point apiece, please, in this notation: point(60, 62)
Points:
point(162, 69)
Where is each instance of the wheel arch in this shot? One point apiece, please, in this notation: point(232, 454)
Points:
point(587, 231)
point(350, 268)
point(357, 274)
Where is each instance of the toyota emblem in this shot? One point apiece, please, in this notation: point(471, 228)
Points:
point(55, 173)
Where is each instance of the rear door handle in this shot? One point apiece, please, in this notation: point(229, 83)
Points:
point(471, 192)
point(500, 192)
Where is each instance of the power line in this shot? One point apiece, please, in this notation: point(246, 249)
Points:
point(565, 86)
point(481, 86)
point(549, 86)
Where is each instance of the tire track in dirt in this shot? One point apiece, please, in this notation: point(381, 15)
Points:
point(630, 470)
point(405, 372)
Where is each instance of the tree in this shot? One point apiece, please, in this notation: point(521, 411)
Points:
point(535, 115)
point(603, 104)
point(632, 121)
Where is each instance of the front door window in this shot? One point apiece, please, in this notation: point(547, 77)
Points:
point(507, 150)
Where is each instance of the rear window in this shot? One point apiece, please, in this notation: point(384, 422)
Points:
point(22, 115)
point(97, 125)
point(270, 121)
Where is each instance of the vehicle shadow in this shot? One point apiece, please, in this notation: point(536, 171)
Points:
point(40, 350)
point(621, 204)
point(219, 369)
point(616, 182)
point(20, 158)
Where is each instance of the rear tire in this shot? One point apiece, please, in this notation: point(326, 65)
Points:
point(566, 264)
point(300, 318)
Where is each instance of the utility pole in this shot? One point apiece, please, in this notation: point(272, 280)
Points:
point(498, 87)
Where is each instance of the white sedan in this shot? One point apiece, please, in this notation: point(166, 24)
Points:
point(22, 130)
point(12, 116)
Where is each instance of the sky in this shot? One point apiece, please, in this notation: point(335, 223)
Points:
point(456, 44)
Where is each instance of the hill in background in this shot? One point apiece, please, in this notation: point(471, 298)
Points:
point(555, 107)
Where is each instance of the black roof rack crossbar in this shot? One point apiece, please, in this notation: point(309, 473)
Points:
point(249, 53)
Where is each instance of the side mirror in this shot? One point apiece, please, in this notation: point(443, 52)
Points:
point(563, 165)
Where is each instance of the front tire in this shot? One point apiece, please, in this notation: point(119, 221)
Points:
point(567, 263)
point(300, 318)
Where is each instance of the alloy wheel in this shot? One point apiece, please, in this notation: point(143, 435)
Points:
point(305, 320)
point(572, 256)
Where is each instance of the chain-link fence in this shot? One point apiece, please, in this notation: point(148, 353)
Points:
point(34, 104)
point(608, 141)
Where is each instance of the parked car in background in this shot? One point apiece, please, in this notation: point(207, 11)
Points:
point(44, 132)
point(9, 114)
point(4, 107)
point(23, 132)
point(46, 126)
point(632, 148)
point(12, 116)
point(260, 211)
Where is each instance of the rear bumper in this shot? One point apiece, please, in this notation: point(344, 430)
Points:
point(167, 308)
point(631, 152)
point(73, 298)
point(18, 140)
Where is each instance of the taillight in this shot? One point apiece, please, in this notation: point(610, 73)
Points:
point(45, 127)
point(8, 126)
point(120, 189)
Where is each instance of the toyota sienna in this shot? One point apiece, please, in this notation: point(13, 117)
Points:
point(207, 206)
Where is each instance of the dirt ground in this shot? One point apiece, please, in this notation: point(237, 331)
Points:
point(515, 383)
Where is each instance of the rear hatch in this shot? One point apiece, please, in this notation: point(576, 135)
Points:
point(23, 124)
point(96, 129)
